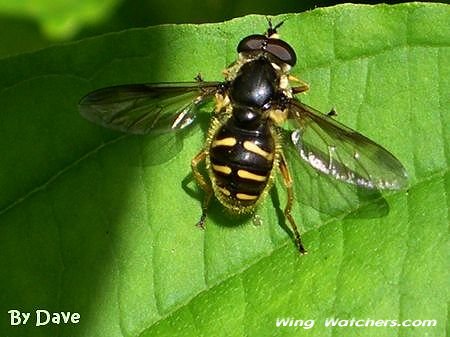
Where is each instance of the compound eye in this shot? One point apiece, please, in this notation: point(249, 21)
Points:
point(252, 43)
point(282, 51)
point(278, 48)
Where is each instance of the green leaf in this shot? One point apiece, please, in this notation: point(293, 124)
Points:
point(95, 222)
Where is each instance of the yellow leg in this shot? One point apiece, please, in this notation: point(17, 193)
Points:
point(203, 184)
point(299, 89)
point(297, 85)
point(290, 198)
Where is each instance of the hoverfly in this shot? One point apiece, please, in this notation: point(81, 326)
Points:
point(244, 144)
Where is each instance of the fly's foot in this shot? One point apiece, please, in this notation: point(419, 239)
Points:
point(201, 223)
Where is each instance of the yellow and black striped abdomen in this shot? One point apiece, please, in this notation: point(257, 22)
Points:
point(241, 163)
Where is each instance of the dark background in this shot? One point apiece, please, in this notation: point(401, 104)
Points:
point(23, 33)
point(141, 13)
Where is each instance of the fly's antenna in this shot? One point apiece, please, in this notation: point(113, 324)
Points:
point(272, 30)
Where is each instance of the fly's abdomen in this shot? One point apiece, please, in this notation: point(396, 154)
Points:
point(241, 163)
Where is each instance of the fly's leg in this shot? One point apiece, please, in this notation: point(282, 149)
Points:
point(203, 184)
point(290, 198)
point(299, 89)
point(297, 86)
point(332, 113)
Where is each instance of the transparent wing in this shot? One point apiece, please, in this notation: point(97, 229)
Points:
point(144, 108)
point(329, 196)
point(343, 153)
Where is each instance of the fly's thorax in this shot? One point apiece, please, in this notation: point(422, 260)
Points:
point(282, 69)
point(255, 84)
